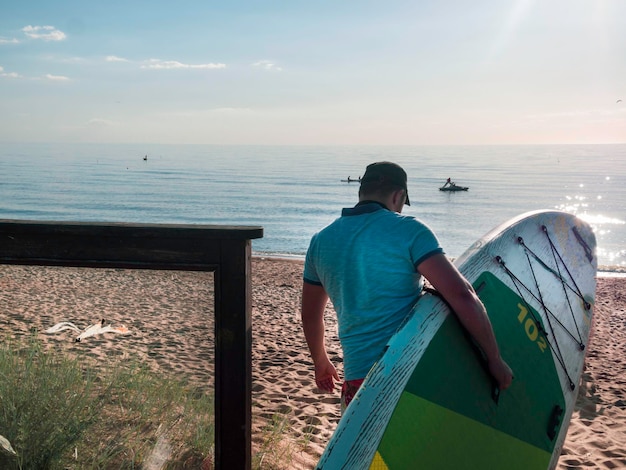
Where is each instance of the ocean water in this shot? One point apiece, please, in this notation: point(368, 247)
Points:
point(293, 191)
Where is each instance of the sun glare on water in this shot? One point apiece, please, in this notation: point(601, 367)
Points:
point(600, 223)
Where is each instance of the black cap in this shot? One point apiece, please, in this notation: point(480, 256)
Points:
point(385, 174)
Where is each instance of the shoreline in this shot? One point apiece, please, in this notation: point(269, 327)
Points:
point(603, 270)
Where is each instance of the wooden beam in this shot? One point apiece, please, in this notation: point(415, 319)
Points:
point(226, 250)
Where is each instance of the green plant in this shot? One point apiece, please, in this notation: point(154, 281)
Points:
point(143, 413)
point(276, 450)
point(60, 412)
point(46, 403)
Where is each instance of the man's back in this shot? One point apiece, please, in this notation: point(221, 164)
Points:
point(366, 261)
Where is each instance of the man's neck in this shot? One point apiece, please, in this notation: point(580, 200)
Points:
point(371, 201)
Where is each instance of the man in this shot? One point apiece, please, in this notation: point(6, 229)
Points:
point(371, 262)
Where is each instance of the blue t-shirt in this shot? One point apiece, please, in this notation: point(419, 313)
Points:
point(366, 261)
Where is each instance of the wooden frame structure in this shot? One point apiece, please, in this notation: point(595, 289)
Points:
point(224, 250)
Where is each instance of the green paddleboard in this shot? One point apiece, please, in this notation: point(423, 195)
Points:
point(429, 401)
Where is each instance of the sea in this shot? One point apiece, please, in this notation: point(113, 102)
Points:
point(294, 191)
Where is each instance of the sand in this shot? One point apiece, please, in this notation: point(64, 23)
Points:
point(169, 318)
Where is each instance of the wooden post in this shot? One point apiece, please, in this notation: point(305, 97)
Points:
point(233, 365)
point(226, 250)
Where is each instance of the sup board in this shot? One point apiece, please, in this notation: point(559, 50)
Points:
point(429, 401)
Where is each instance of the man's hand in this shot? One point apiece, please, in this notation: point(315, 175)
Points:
point(325, 376)
point(314, 300)
point(501, 372)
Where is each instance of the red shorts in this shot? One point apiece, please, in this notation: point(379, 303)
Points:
point(348, 390)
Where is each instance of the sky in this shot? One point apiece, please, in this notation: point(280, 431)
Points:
point(393, 72)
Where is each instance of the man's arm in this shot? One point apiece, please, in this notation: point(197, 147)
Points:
point(314, 299)
point(458, 292)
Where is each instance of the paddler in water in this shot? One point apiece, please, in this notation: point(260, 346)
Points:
point(371, 263)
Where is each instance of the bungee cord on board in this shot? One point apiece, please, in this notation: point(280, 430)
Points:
point(517, 283)
point(558, 261)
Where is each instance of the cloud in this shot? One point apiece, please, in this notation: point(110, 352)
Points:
point(157, 64)
point(574, 114)
point(47, 33)
point(232, 111)
point(114, 58)
point(4, 74)
point(207, 113)
point(98, 122)
point(9, 41)
point(58, 78)
point(267, 65)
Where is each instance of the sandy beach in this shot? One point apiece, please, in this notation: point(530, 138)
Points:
point(170, 328)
